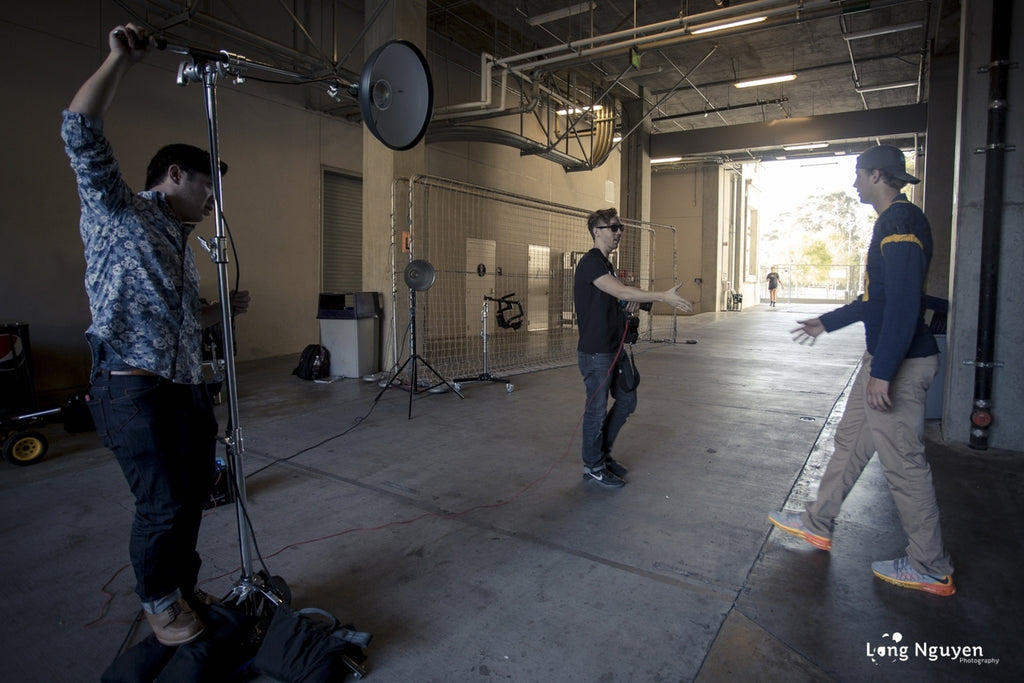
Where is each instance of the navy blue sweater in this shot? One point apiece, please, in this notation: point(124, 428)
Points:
point(892, 305)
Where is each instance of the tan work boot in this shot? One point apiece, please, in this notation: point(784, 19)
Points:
point(176, 625)
point(200, 601)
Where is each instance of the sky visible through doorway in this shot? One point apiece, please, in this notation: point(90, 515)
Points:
point(788, 184)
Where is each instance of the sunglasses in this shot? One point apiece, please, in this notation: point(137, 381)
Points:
point(616, 227)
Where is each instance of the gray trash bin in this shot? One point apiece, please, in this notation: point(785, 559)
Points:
point(350, 331)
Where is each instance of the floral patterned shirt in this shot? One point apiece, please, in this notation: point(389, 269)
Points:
point(140, 272)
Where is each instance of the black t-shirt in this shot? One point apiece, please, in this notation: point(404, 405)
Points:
point(600, 316)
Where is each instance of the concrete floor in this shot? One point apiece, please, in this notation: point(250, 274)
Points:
point(466, 541)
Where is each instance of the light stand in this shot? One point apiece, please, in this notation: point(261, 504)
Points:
point(396, 98)
point(246, 589)
point(485, 375)
point(419, 276)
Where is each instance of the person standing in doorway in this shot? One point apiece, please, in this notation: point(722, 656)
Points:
point(773, 286)
point(603, 307)
point(148, 399)
point(886, 407)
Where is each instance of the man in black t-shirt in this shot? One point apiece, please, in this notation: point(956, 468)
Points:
point(603, 306)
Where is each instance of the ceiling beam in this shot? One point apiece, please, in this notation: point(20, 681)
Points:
point(904, 120)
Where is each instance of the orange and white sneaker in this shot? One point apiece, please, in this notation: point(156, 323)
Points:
point(791, 523)
point(900, 573)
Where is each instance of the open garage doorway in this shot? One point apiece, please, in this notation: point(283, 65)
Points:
point(812, 229)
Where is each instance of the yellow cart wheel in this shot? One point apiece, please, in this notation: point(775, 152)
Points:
point(25, 448)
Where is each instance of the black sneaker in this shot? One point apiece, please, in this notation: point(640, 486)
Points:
point(602, 476)
point(615, 467)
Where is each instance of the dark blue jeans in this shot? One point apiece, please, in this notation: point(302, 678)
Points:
point(600, 425)
point(164, 437)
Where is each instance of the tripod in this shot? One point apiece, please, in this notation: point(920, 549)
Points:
point(485, 375)
point(415, 358)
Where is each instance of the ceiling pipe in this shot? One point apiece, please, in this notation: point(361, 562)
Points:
point(486, 86)
point(216, 26)
point(681, 33)
point(660, 34)
point(715, 110)
point(681, 24)
point(518, 64)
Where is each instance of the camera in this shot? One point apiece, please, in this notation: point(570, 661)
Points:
point(632, 330)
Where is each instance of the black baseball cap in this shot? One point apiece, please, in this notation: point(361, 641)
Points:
point(888, 159)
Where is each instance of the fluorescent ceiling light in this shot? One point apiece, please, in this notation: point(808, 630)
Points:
point(666, 160)
point(576, 110)
point(768, 80)
point(811, 145)
point(887, 86)
point(570, 11)
point(721, 27)
point(884, 30)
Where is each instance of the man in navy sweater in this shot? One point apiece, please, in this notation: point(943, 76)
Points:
point(886, 407)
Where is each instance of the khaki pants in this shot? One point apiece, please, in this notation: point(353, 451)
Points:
point(897, 435)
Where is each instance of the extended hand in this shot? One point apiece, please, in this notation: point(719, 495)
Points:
point(673, 299)
point(808, 331)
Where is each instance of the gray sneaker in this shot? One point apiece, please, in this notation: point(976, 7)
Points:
point(899, 572)
point(791, 523)
point(602, 476)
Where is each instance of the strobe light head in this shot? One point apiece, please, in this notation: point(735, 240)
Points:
point(419, 275)
point(396, 95)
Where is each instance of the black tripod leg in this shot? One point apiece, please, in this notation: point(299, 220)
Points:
point(443, 380)
point(392, 380)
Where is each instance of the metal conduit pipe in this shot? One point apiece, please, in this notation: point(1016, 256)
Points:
point(494, 113)
point(517, 64)
point(486, 71)
point(992, 223)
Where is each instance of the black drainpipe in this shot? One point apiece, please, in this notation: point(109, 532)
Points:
point(992, 223)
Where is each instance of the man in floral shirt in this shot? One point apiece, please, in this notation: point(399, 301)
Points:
point(149, 401)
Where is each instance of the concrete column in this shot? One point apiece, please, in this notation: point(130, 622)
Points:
point(968, 196)
point(713, 237)
point(635, 176)
point(939, 168)
point(406, 20)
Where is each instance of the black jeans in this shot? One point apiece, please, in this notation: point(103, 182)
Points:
point(164, 437)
